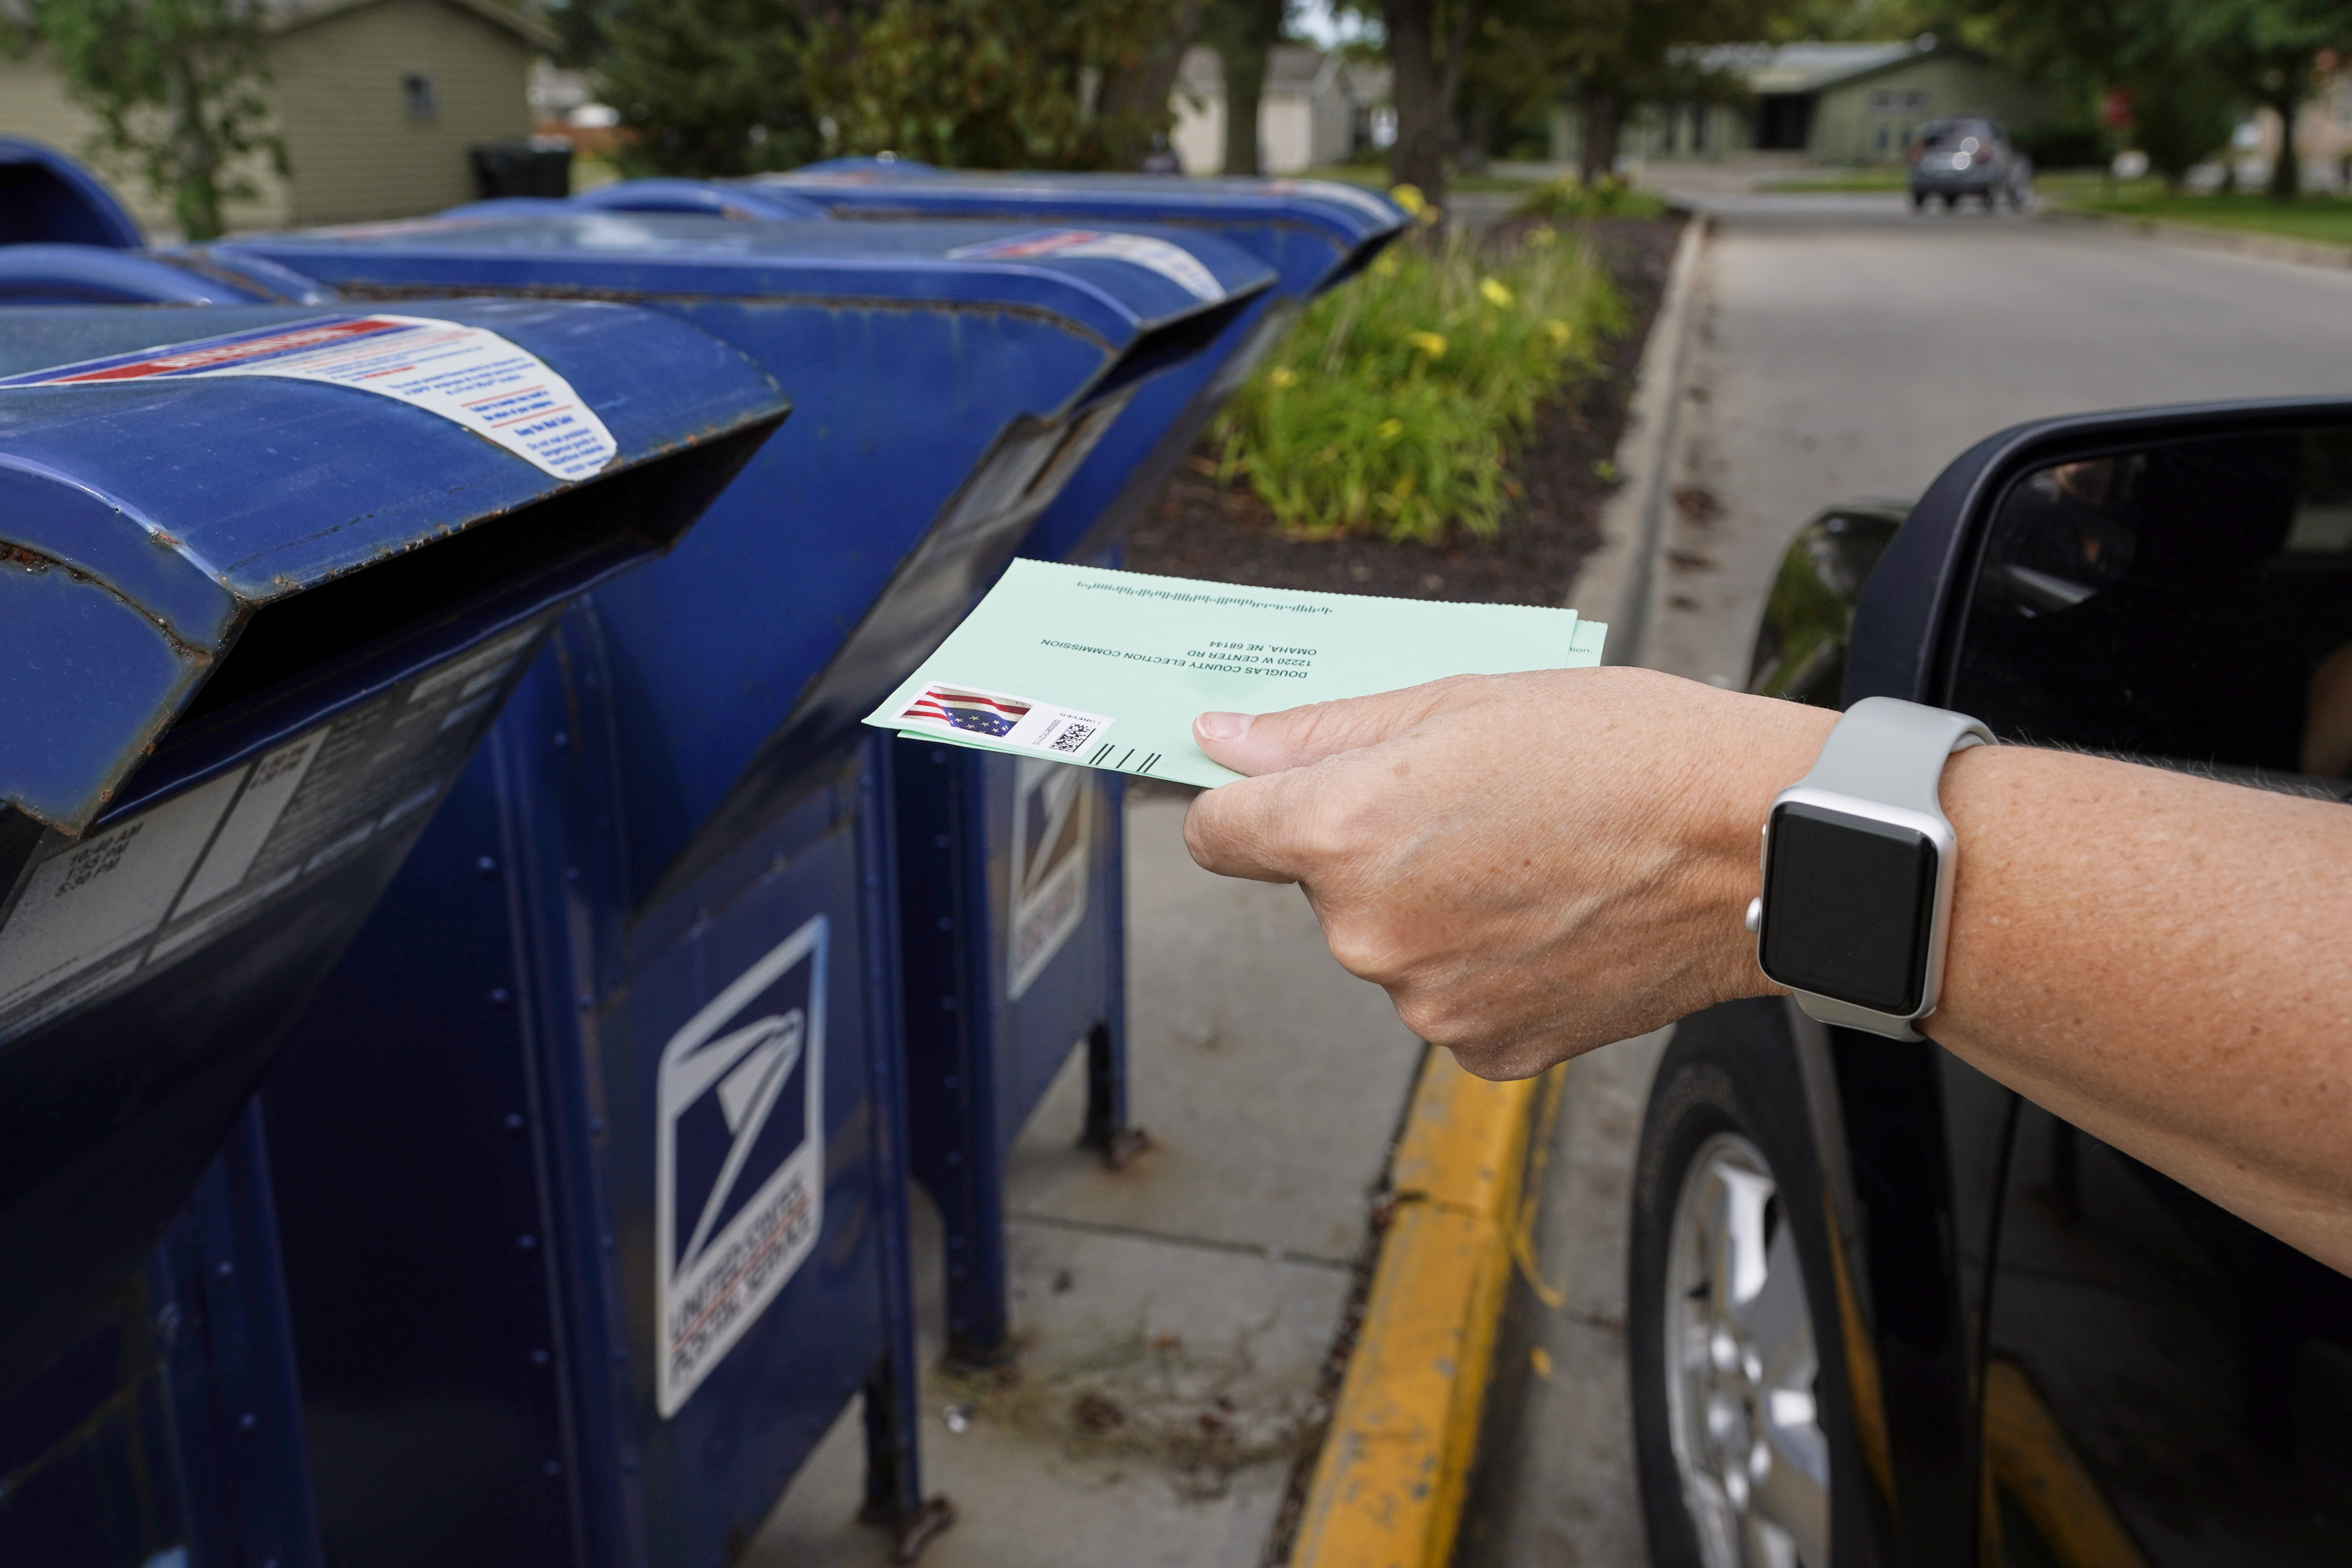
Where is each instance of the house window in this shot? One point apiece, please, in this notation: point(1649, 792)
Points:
point(420, 96)
point(1915, 98)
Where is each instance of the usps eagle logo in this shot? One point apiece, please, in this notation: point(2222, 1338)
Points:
point(739, 1189)
point(977, 712)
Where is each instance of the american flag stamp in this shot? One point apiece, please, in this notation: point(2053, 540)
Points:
point(1017, 721)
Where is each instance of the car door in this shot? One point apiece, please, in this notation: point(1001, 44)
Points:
point(2157, 1381)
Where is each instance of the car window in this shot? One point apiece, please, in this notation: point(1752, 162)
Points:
point(2190, 602)
point(1952, 132)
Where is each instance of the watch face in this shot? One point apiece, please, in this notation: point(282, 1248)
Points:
point(1849, 905)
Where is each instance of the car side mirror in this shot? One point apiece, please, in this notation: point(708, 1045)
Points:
point(2171, 584)
point(1801, 645)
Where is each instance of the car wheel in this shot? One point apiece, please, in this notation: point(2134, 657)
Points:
point(1951, 200)
point(1727, 1308)
point(1918, 201)
point(1991, 200)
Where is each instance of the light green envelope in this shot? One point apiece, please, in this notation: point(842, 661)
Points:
point(1108, 668)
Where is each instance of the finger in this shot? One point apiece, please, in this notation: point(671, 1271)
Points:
point(1270, 742)
point(1252, 827)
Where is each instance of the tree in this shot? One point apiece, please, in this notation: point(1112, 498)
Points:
point(710, 88)
point(721, 87)
point(1040, 84)
point(2269, 49)
point(1428, 43)
point(1243, 33)
point(176, 85)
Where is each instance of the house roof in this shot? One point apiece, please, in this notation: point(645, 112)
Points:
point(1810, 67)
point(286, 15)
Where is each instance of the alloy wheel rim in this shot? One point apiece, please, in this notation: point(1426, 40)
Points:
point(1741, 1368)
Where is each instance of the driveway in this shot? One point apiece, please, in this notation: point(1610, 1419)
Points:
point(1841, 348)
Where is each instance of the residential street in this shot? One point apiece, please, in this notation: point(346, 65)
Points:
point(1841, 348)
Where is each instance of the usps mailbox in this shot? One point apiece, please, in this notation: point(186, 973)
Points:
point(665, 1112)
point(265, 578)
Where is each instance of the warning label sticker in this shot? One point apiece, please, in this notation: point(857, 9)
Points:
point(1053, 821)
point(87, 917)
point(471, 377)
point(739, 1175)
point(1173, 262)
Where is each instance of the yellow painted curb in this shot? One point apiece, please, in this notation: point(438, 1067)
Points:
point(1389, 1485)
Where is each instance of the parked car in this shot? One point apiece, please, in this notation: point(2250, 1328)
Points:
point(1956, 158)
point(1882, 1311)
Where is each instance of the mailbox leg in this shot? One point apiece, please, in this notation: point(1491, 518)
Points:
point(1108, 1131)
point(894, 1473)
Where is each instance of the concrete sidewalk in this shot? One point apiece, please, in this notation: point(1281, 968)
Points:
point(1174, 1317)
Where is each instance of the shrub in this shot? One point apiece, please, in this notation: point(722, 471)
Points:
point(1390, 406)
point(1570, 200)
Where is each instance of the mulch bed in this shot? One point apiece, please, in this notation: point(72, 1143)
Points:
point(1200, 528)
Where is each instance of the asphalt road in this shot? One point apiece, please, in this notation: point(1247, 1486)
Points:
point(1842, 348)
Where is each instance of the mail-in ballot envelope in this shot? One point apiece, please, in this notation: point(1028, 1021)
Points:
point(1108, 668)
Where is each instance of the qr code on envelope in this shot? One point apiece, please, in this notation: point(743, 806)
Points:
point(998, 716)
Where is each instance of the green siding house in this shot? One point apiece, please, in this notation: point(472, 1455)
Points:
point(1834, 103)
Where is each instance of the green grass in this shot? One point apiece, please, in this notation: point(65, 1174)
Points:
point(1568, 200)
point(2321, 217)
point(1391, 407)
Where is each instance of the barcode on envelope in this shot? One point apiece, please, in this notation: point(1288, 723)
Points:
point(1070, 735)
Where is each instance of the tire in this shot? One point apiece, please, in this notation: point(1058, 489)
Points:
point(1992, 201)
point(1740, 1430)
point(1951, 200)
point(1918, 201)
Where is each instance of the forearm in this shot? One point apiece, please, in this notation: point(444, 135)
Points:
point(2162, 959)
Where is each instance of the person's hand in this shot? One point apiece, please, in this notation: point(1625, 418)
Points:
point(1530, 865)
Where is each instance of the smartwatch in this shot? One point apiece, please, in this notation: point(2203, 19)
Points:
point(1859, 860)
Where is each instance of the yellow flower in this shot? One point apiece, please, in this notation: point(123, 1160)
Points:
point(1386, 266)
point(1557, 331)
point(1281, 375)
point(1429, 343)
point(1542, 234)
point(1389, 429)
point(1495, 290)
point(1409, 198)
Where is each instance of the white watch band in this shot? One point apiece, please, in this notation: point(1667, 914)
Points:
point(1885, 751)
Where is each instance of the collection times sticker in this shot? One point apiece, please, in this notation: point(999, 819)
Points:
point(739, 1185)
point(502, 393)
point(1052, 821)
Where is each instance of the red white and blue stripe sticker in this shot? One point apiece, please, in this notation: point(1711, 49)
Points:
point(474, 378)
point(1063, 734)
point(1173, 262)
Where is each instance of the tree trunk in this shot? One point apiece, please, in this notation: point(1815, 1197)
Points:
point(196, 199)
point(1418, 159)
point(1144, 86)
point(1253, 28)
point(1598, 153)
point(2286, 171)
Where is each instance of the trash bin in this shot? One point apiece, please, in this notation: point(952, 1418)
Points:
point(46, 197)
point(528, 166)
point(1015, 941)
point(257, 606)
point(658, 1247)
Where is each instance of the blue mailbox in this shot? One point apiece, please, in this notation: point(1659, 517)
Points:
point(46, 197)
point(265, 578)
point(649, 945)
point(1022, 925)
point(1015, 931)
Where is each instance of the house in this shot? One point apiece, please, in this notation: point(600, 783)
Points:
point(1316, 108)
point(1834, 103)
point(377, 102)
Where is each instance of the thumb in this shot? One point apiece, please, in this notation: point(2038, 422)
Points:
point(1256, 743)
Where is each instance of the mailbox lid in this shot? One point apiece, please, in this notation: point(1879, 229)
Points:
point(145, 522)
